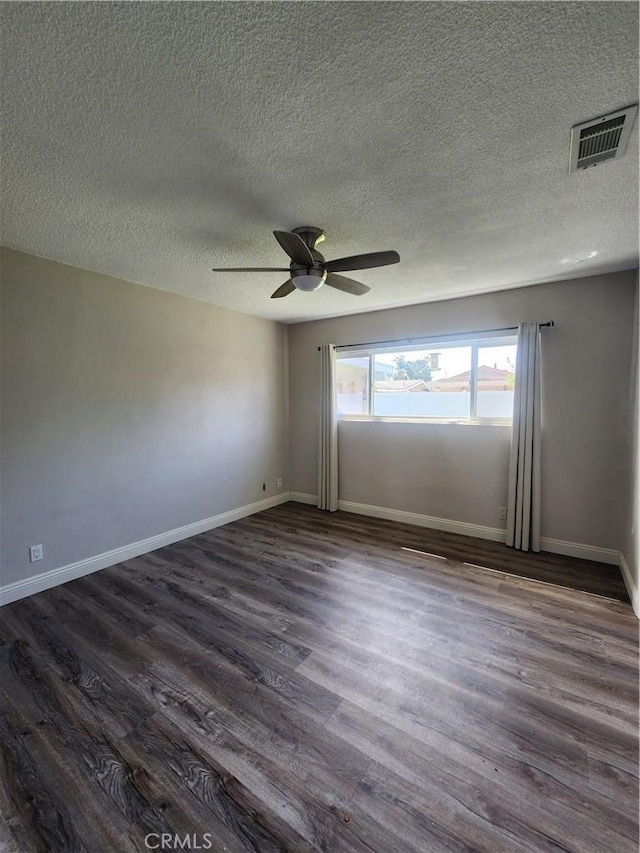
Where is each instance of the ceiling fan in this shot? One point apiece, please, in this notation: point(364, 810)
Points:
point(308, 269)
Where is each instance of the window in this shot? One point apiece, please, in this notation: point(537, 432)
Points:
point(352, 385)
point(455, 380)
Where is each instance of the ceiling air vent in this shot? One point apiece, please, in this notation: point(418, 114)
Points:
point(600, 139)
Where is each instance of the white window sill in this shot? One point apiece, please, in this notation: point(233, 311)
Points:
point(503, 422)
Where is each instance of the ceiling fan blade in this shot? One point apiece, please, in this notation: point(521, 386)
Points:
point(251, 269)
point(295, 247)
point(284, 290)
point(362, 262)
point(341, 282)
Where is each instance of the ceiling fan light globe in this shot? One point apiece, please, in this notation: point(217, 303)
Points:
point(309, 280)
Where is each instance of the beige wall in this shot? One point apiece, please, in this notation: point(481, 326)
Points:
point(460, 472)
point(128, 412)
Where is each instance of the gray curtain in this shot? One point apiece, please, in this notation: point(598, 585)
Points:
point(523, 506)
point(328, 450)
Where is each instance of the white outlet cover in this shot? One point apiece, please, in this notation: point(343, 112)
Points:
point(36, 552)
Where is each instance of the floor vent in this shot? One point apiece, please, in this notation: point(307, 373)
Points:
point(600, 139)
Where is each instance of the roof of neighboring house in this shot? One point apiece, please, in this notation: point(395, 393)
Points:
point(485, 373)
point(388, 385)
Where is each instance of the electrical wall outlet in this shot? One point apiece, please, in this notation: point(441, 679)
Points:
point(36, 552)
point(279, 483)
point(502, 513)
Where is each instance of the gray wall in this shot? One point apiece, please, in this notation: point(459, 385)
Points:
point(631, 544)
point(127, 412)
point(460, 472)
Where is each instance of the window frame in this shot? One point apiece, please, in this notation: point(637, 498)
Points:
point(475, 342)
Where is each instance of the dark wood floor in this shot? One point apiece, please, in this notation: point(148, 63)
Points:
point(299, 681)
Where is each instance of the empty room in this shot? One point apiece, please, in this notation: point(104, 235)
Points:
point(319, 427)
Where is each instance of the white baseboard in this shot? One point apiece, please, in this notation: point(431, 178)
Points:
point(479, 531)
point(302, 498)
point(29, 586)
point(446, 524)
point(630, 584)
point(38, 583)
point(583, 552)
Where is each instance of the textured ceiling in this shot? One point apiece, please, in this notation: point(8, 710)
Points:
point(153, 141)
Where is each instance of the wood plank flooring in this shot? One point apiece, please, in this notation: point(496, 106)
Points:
point(302, 681)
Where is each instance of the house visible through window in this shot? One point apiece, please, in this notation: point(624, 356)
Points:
point(458, 380)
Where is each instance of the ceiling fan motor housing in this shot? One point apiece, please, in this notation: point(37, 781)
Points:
point(306, 277)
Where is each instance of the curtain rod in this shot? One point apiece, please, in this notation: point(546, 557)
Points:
point(455, 334)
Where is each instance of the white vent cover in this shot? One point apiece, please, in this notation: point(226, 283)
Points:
point(600, 139)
